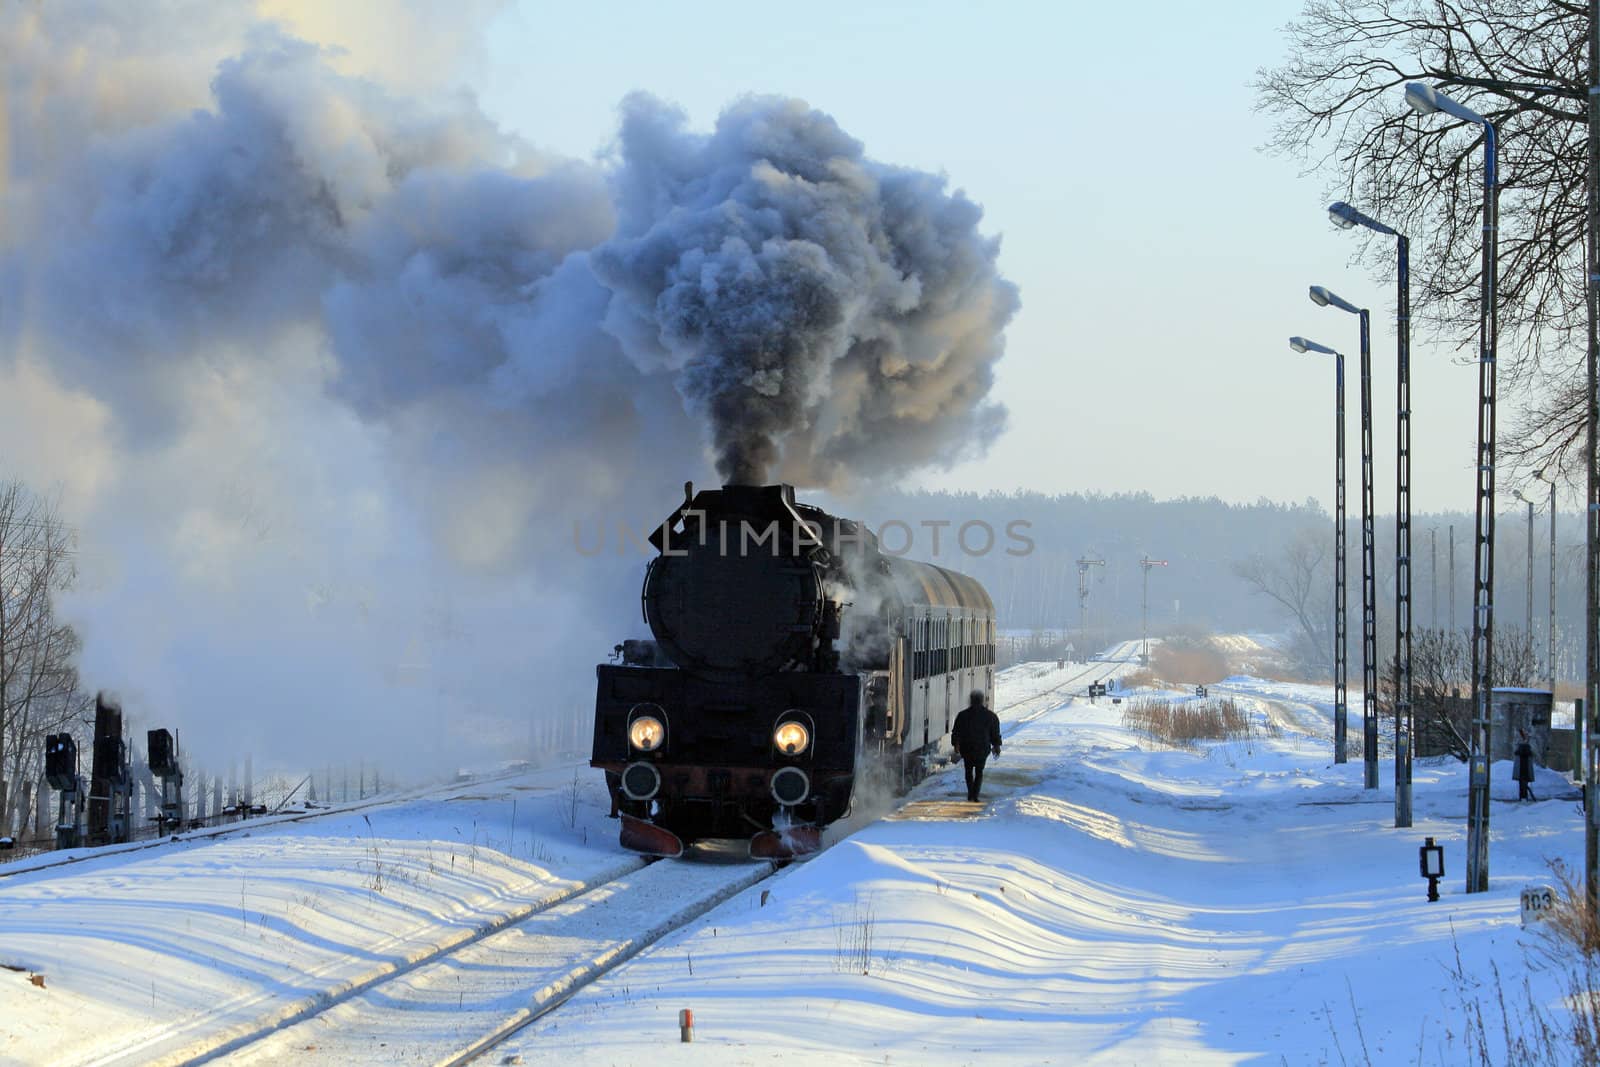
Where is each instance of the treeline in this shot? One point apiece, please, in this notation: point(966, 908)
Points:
point(1208, 544)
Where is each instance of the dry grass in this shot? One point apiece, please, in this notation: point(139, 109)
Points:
point(1183, 723)
point(1569, 925)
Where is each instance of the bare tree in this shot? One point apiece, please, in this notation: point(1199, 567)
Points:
point(1337, 98)
point(1441, 671)
point(38, 678)
point(1298, 579)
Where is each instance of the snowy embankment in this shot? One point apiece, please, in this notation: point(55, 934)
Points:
point(148, 953)
point(1116, 902)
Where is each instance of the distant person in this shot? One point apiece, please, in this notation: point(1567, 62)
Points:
point(1524, 768)
point(975, 735)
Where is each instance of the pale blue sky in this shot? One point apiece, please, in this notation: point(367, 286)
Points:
point(1163, 258)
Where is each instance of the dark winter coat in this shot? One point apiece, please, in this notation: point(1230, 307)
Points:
point(1523, 771)
point(976, 733)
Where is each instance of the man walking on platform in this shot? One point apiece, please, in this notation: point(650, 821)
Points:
point(975, 735)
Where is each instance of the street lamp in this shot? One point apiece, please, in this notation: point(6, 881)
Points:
point(1369, 586)
point(1345, 217)
point(1341, 720)
point(1425, 100)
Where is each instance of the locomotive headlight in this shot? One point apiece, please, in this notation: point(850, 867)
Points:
point(646, 733)
point(792, 738)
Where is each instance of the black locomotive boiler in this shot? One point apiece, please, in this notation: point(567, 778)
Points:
point(792, 661)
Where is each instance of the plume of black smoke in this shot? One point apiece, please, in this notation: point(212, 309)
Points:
point(830, 316)
point(384, 314)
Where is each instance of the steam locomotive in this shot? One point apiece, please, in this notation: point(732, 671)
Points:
point(792, 661)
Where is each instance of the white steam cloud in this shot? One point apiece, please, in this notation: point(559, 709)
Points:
point(334, 367)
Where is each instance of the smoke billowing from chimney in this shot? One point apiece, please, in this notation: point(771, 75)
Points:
point(828, 315)
point(248, 273)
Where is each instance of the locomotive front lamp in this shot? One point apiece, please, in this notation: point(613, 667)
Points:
point(791, 738)
point(646, 733)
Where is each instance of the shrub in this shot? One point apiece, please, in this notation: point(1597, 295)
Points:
point(1183, 723)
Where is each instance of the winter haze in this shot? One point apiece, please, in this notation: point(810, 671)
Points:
point(327, 366)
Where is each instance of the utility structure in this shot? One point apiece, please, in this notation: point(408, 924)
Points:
point(161, 750)
point(1083, 593)
point(1369, 582)
point(1451, 583)
point(1425, 100)
point(1346, 216)
point(1528, 614)
point(61, 774)
point(1433, 574)
point(1146, 563)
point(1550, 624)
point(1341, 714)
point(110, 787)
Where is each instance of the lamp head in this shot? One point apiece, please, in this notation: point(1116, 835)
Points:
point(1322, 295)
point(1301, 344)
point(1423, 99)
point(1341, 214)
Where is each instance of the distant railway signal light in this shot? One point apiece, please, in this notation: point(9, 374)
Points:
point(161, 753)
point(61, 762)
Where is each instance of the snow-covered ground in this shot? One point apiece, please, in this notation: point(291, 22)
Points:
point(1115, 901)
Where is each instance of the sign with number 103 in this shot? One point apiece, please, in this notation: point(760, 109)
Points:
point(1537, 900)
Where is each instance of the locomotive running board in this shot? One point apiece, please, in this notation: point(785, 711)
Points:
point(799, 840)
point(648, 838)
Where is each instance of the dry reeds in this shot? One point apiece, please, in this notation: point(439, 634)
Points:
point(1183, 723)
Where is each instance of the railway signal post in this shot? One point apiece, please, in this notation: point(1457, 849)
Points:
point(1083, 590)
point(1147, 563)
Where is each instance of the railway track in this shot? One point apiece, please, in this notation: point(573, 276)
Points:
point(499, 984)
point(465, 1002)
point(455, 1004)
point(1024, 710)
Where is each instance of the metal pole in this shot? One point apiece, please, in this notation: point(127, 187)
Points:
point(1147, 563)
point(1402, 544)
point(1591, 612)
point(1433, 578)
point(1341, 713)
point(1144, 611)
point(1452, 568)
point(1483, 540)
point(1369, 587)
point(1550, 625)
point(1530, 578)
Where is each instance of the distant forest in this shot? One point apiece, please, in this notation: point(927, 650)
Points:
point(1206, 541)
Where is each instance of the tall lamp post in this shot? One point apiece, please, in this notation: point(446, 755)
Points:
point(1425, 100)
point(1369, 586)
point(1345, 216)
point(1341, 714)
